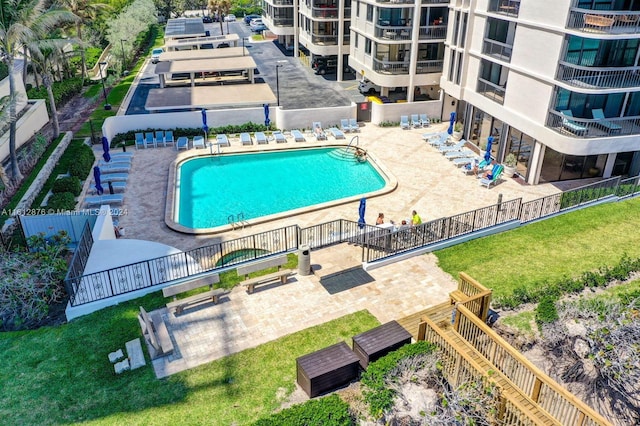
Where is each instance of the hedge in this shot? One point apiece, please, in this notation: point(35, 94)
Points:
point(327, 411)
point(67, 184)
point(62, 201)
point(62, 91)
point(81, 167)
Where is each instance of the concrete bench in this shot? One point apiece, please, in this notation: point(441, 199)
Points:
point(155, 333)
point(281, 274)
point(213, 294)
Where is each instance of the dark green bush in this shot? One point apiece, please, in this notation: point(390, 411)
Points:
point(3, 71)
point(328, 411)
point(81, 167)
point(67, 184)
point(62, 91)
point(546, 312)
point(61, 201)
point(376, 393)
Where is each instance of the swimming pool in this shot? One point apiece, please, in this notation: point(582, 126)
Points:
point(267, 185)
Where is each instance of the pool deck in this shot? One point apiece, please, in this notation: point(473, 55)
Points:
point(427, 182)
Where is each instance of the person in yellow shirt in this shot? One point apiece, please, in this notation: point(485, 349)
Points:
point(415, 219)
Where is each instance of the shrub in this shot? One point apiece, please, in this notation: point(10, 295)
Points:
point(81, 167)
point(328, 411)
point(62, 91)
point(376, 393)
point(67, 184)
point(62, 201)
point(546, 312)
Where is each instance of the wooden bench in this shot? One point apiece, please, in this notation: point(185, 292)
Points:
point(277, 261)
point(598, 21)
point(213, 294)
point(155, 333)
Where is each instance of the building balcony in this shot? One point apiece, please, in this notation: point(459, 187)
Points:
point(388, 32)
point(396, 1)
point(325, 12)
point(282, 22)
point(433, 32)
point(491, 90)
point(604, 21)
point(590, 128)
point(282, 2)
point(498, 50)
point(324, 39)
point(429, 66)
point(505, 7)
point(598, 78)
point(391, 67)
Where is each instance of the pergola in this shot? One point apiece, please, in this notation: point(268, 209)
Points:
point(209, 97)
point(243, 65)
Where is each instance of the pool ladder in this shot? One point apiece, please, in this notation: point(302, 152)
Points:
point(237, 221)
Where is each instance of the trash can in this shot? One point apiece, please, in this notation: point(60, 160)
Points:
point(304, 260)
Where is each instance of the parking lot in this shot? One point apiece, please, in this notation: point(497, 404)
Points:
point(299, 86)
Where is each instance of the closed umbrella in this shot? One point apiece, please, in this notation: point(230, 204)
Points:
point(487, 155)
point(361, 210)
point(96, 177)
point(105, 149)
point(452, 120)
point(205, 128)
point(266, 115)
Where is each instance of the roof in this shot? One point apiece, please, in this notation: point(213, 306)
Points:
point(184, 55)
point(184, 27)
point(206, 65)
point(173, 98)
point(200, 39)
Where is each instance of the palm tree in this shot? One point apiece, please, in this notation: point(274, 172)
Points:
point(22, 22)
point(222, 7)
point(86, 11)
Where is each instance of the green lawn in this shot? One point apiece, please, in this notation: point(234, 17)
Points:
point(62, 374)
point(567, 245)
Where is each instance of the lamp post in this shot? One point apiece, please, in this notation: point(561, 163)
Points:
point(124, 60)
point(278, 85)
point(104, 89)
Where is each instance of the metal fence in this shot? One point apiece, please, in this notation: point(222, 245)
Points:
point(80, 256)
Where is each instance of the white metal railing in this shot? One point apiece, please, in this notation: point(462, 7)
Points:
point(605, 21)
point(598, 77)
point(497, 49)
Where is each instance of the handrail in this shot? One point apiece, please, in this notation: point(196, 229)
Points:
point(535, 384)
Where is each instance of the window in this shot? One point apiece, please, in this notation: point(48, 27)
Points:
point(356, 38)
point(601, 53)
point(367, 46)
point(459, 73)
point(369, 13)
point(357, 9)
point(581, 104)
point(463, 33)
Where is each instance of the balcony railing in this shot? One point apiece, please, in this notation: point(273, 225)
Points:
point(396, 1)
point(327, 40)
point(390, 67)
point(604, 21)
point(426, 67)
point(393, 33)
point(325, 12)
point(505, 7)
point(283, 22)
point(430, 32)
point(593, 128)
point(604, 78)
point(491, 90)
point(497, 50)
point(283, 2)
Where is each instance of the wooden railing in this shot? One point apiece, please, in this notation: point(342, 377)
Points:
point(543, 390)
point(478, 297)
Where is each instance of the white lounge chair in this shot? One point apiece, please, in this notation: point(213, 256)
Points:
point(298, 136)
point(198, 142)
point(424, 120)
point(353, 123)
point(404, 122)
point(496, 172)
point(121, 155)
point(115, 168)
point(114, 177)
point(140, 141)
point(318, 133)
point(118, 186)
point(222, 139)
point(450, 148)
point(182, 143)
point(344, 125)
point(261, 138)
point(168, 138)
point(463, 153)
point(279, 136)
point(111, 199)
point(120, 161)
point(160, 137)
point(245, 138)
point(149, 140)
point(336, 133)
point(415, 120)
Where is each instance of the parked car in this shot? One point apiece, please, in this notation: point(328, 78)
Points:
point(368, 87)
point(155, 55)
point(257, 25)
point(207, 20)
point(230, 18)
point(248, 18)
point(329, 65)
point(223, 45)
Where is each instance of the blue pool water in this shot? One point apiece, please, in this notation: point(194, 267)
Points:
point(266, 183)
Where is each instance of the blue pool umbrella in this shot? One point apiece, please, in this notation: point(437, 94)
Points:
point(452, 119)
point(361, 210)
point(205, 128)
point(105, 149)
point(96, 177)
point(487, 155)
point(266, 115)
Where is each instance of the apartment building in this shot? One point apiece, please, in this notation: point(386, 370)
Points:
point(555, 82)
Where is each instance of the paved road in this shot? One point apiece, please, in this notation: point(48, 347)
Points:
point(299, 86)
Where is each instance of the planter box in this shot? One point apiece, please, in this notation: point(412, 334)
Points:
point(326, 369)
point(379, 341)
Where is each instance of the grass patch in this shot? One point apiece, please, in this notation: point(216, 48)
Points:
point(547, 251)
point(62, 374)
point(520, 321)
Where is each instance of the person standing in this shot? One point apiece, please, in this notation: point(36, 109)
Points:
point(380, 219)
point(415, 219)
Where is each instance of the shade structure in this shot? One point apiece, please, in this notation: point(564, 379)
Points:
point(105, 149)
point(361, 211)
point(266, 115)
point(452, 120)
point(96, 177)
point(487, 154)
